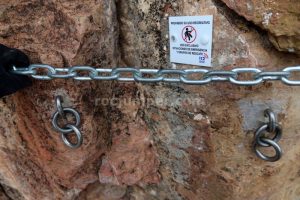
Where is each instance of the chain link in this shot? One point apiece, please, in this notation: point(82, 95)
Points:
point(188, 76)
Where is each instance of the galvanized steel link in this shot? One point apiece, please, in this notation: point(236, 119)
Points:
point(87, 73)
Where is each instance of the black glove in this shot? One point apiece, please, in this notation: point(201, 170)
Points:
point(9, 82)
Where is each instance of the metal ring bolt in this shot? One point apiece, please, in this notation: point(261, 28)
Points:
point(260, 133)
point(68, 128)
point(261, 140)
point(56, 116)
point(278, 151)
point(78, 136)
point(58, 101)
point(272, 120)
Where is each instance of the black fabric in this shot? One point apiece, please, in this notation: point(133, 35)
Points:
point(9, 82)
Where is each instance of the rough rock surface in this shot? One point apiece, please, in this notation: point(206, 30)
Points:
point(153, 141)
point(280, 18)
point(34, 161)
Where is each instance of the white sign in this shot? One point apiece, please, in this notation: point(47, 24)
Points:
point(191, 40)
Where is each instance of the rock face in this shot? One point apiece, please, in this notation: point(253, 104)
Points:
point(279, 18)
point(34, 162)
point(154, 141)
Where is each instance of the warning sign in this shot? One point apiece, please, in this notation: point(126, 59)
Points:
point(191, 40)
point(189, 34)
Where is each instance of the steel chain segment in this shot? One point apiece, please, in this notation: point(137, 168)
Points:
point(253, 81)
point(192, 81)
point(140, 76)
point(46, 72)
point(290, 70)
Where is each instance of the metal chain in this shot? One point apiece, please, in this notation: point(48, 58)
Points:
point(67, 128)
point(260, 140)
point(188, 76)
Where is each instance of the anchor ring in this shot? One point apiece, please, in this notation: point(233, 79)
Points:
point(278, 151)
point(57, 115)
point(261, 130)
point(78, 136)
